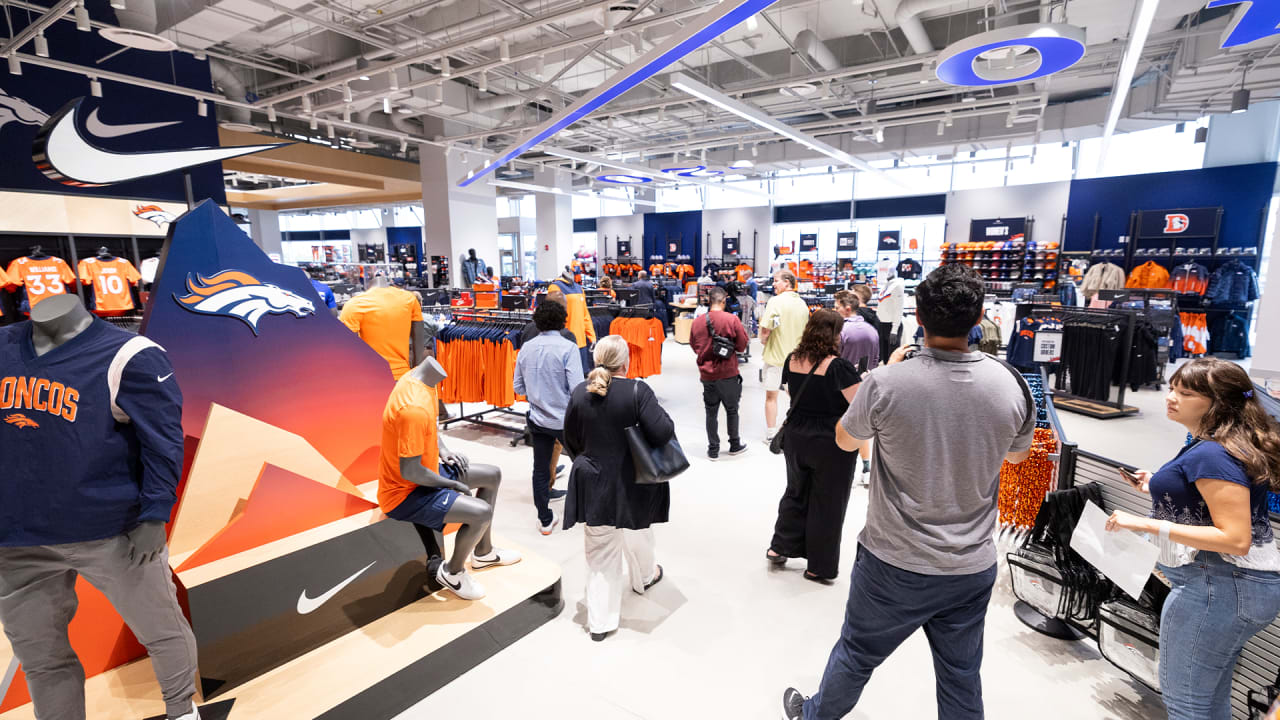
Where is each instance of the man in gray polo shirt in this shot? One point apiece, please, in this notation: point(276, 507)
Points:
point(943, 422)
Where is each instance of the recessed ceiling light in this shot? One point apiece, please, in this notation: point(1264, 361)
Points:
point(740, 164)
point(363, 144)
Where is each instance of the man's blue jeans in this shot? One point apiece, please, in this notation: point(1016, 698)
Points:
point(886, 605)
point(1211, 612)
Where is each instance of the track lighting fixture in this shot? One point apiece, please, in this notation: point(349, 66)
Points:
point(941, 128)
point(362, 64)
point(504, 50)
point(306, 104)
point(346, 93)
point(404, 144)
point(386, 105)
point(1240, 98)
point(15, 65)
point(95, 87)
point(42, 46)
point(608, 21)
point(202, 108)
point(328, 130)
point(346, 114)
point(314, 123)
point(393, 80)
point(445, 70)
point(82, 18)
point(484, 81)
point(271, 113)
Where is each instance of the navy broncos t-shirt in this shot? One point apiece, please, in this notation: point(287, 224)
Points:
point(1175, 497)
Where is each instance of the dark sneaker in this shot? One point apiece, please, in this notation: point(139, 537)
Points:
point(713, 453)
point(557, 493)
point(792, 705)
point(737, 448)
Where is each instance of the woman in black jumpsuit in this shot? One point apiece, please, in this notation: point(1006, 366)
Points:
point(819, 474)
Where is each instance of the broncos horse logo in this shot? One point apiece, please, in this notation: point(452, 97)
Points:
point(236, 294)
point(20, 420)
point(155, 214)
point(15, 109)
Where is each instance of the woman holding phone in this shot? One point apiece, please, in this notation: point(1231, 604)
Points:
point(1209, 511)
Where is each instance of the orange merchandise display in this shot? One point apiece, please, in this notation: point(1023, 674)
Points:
point(480, 360)
point(41, 277)
point(111, 280)
point(1148, 275)
point(1023, 486)
point(383, 318)
point(644, 338)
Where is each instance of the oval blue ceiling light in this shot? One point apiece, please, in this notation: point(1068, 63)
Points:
point(1059, 46)
point(623, 179)
point(684, 170)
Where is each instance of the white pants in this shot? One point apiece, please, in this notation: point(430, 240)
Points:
point(606, 549)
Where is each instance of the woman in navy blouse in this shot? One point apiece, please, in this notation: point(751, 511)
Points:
point(1209, 511)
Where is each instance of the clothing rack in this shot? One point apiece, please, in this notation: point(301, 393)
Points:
point(1100, 409)
point(516, 319)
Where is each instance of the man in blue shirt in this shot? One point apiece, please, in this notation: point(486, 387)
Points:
point(326, 295)
point(548, 368)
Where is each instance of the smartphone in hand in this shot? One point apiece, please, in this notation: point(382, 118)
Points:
point(1134, 479)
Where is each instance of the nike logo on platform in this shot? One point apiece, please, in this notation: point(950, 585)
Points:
point(308, 605)
point(66, 156)
point(103, 130)
point(162, 379)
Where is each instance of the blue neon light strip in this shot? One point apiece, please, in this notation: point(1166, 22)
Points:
point(622, 179)
point(616, 86)
point(1056, 53)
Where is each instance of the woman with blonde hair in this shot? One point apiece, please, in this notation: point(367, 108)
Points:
point(603, 494)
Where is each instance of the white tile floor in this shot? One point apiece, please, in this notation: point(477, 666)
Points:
point(723, 634)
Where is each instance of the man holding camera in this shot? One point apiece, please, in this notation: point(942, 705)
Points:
point(717, 338)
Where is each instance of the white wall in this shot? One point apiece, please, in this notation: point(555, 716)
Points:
point(731, 221)
point(370, 236)
point(1046, 202)
point(623, 226)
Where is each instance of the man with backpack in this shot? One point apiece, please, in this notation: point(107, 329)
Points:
point(717, 338)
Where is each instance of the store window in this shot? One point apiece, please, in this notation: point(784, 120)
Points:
point(1161, 149)
point(792, 187)
point(1047, 162)
point(680, 198)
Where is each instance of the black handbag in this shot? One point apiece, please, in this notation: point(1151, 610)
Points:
point(721, 347)
point(775, 445)
point(653, 465)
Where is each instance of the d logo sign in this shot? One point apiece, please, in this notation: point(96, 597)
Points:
point(1176, 223)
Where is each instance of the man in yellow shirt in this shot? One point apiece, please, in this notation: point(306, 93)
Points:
point(781, 326)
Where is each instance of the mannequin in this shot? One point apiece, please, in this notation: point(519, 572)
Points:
point(579, 321)
point(390, 321)
point(472, 268)
point(889, 312)
point(443, 493)
point(102, 496)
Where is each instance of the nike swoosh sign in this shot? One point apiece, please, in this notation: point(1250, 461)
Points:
point(308, 605)
point(162, 379)
point(64, 155)
point(97, 128)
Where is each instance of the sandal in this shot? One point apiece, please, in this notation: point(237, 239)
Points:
point(774, 557)
point(656, 579)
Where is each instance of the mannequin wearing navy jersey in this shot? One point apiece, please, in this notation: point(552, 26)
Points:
point(90, 415)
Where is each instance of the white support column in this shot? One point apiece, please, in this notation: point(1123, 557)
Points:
point(264, 229)
point(456, 219)
point(554, 214)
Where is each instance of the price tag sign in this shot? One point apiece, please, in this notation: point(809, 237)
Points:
point(1048, 347)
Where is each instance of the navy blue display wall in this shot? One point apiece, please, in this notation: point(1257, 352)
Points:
point(1243, 191)
point(411, 236)
point(26, 100)
point(687, 226)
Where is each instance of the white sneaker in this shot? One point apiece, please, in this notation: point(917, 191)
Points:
point(193, 715)
point(461, 584)
point(496, 556)
point(547, 529)
point(768, 435)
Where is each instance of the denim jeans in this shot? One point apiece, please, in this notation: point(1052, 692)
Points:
point(1212, 611)
point(544, 443)
point(886, 605)
point(727, 392)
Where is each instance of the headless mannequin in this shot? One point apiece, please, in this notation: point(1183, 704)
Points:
point(417, 336)
point(380, 281)
point(55, 322)
point(474, 513)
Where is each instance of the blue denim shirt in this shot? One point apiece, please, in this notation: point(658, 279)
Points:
point(548, 368)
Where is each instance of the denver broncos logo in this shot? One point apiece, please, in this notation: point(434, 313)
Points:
point(155, 214)
point(21, 421)
point(236, 294)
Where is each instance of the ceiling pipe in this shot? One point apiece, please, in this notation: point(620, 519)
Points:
point(232, 87)
point(808, 42)
point(908, 17)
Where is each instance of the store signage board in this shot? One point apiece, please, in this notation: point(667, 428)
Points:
point(808, 242)
point(1057, 46)
point(716, 21)
point(998, 229)
point(1048, 347)
point(673, 248)
point(729, 246)
point(846, 241)
point(624, 248)
point(1179, 223)
point(890, 241)
point(1254, 20)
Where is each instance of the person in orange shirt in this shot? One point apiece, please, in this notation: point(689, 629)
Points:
point(387, 319)
point(422, 481)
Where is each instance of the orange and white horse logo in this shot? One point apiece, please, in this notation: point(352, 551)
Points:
point(240, 295)
point(155, 214)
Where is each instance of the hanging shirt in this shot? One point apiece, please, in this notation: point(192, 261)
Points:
point(41, 277)
point(892, 301)
point(1192, 278)
point(148, 269)
point(383, 318)
point(1148, 275)
point(111, 280)
point(90, 433)
point(910, 269)
point(408, 430)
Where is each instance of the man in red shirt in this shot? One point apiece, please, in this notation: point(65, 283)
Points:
point(718, 368)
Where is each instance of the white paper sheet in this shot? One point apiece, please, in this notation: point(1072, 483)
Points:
point(1124, 556)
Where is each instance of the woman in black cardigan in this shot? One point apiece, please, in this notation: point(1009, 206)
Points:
point(603, 493)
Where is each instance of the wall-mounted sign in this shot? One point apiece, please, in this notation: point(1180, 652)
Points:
point(1179, 222)
point(1057, 47)
point(673, 247)
point(847, 241)
point(890, 240)
point(808, 242)
point(1253, 21)
point(998, 229)
point(624, 247)
point(729, 245)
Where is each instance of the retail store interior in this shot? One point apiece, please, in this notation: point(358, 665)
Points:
point(313, 312)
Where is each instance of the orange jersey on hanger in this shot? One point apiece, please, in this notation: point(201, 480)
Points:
point(383, 318)
point(1148, 275)
point(111, 280)
point(42, 277)
point(745, 272)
